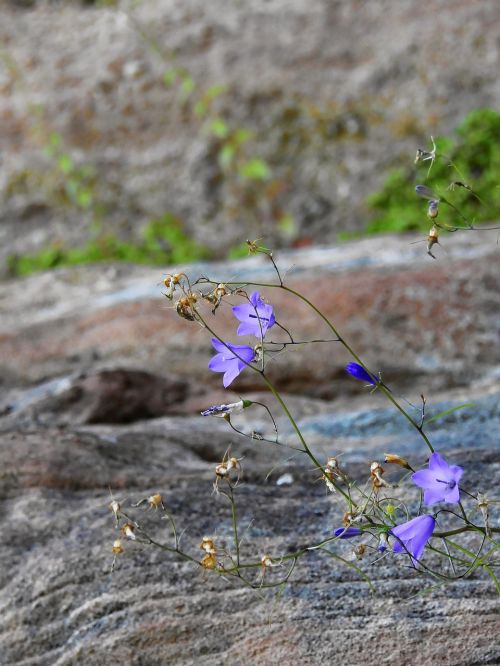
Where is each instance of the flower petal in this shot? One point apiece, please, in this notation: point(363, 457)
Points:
point(217, 363)
point(457, 472)
point(438, 464)
point(218, 345)
point(452, 495)
point(248, 328)
point(245, 353)
point(424, 478)
point(243, 311)
point(230, 375)
point(255, 299)
point(435, 494)
point(357, 371)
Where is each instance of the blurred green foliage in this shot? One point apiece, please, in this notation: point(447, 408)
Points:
point(77, 181)
point(162, 242)
point(471, 158)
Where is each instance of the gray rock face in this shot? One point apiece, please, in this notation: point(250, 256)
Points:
point(333, 92)
point(85, 352)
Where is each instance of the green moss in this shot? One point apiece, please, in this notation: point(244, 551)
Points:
point(162, 242)
point(472, 158)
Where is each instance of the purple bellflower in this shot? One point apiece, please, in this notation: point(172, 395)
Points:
point(347, 532)
point(440, 481)
point(231, 360)
point(357, 371)
point(255, 317)
point(412, 537)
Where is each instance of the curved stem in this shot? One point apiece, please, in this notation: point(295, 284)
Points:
point(289, 416)
point(380, 385)
point(385, 390)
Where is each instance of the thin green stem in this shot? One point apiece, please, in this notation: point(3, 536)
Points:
point(349, 349)
point(289, 416)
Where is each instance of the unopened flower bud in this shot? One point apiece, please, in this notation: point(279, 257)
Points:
point(347, 532)
point(433, 209)
point(226, 410)
point(383, 543)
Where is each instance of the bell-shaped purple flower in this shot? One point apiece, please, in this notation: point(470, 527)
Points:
point(357, 371)
point(255, 317)
point(412, 537)
point(347, 532)
point(440, 481)
point(230, 360)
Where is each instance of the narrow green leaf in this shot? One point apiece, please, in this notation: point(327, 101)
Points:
point(450, 411)
point(495, 579)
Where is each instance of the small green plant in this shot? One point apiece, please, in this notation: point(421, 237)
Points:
point(163, 241)
point(469, 166)
point(76, 183)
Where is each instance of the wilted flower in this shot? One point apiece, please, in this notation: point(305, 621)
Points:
point(155, 501)
point(394, 459)
point(255, 317)
point(347, 532)
point(440, 481)
point(433, 208)
point(223, 410)
point(128, 530)
point(413, 536)
point(360, 551)
point(117, 547)
point(357, 371)
point(209, 561)
point(376, 471)
point(230, 360)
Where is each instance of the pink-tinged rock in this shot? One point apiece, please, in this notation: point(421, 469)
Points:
point(431, 323)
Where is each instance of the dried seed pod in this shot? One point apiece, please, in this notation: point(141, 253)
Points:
point(128, 530)
point(117, 547)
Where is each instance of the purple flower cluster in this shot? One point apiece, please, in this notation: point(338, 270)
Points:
point(255, 318)
point(440, 483)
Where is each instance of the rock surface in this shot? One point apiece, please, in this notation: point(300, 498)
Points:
point(86, 352)
point(334, 93)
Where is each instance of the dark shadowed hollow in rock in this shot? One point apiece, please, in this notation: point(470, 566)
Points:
point(135, 128)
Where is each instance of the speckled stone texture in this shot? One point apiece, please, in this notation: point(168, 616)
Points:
point(87, 345)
